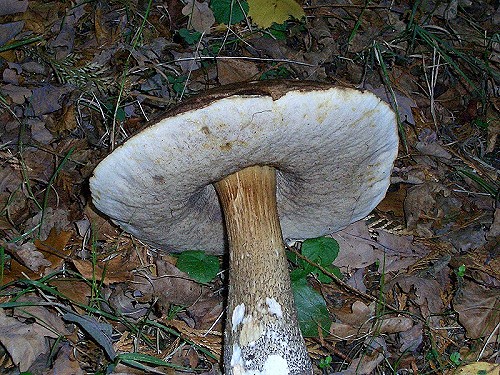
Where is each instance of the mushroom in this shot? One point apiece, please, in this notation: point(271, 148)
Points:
point(253, 164)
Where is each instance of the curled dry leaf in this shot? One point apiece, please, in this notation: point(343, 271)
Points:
point(211, 341)
point(421, 202)
point(54, 247)
point(359, 249)
point(412, 338)
point(425, 294)
point(42, 315)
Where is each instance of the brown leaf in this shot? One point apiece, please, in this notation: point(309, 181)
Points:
point(29, 256)
point(23, 341)
point(54, 246)
point(41, 314)
point(200, 15)
point(211, 341)
point(171, 285)
point(206, 311)
point(395, 325)
point(477, 309)
point(17, 271)
point(426, 295)
point(65, 362)
point(393, 201)
point(115, 270)
point(13, 6)
point(236, 70)
point(186, 357)
point(101, 227)
point(16, 93)
point(74, 289)
point(367, 362)
point(65, 122)
point(420, 203)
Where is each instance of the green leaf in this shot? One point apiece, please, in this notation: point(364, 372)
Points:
point(229, 12)
point(311, 309)
point(321, 250)
point(200, 266)
point(280, 72)
point(298, 273)
point(455, 358)
point(191, 37)
point(325, 279)
point(278, 31)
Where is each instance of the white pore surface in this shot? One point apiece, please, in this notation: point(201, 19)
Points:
point(333, 150)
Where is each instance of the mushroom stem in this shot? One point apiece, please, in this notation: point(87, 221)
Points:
point(262, 334)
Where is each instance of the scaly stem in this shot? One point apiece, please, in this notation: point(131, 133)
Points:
point(262, 332)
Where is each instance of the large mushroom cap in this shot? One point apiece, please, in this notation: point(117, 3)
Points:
point(333, 149)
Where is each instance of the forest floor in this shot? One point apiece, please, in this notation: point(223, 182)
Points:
point(419, 279)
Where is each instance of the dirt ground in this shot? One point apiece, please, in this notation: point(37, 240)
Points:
point(418, 279)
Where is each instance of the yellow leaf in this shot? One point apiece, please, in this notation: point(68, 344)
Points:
point(480, 368)
point(265, 12)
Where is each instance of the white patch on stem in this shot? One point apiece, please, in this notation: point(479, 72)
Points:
point(275, 365)
point(236, 358)
point(274, 307)
point(238, 314)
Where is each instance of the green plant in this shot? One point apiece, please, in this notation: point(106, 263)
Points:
point(488, 187)
point(455, 358)
point(325, 362)
point(199, 265)
point(320, 252)
point(229, 12)
point(177, 83)
point(191, 37)
point(279, 71)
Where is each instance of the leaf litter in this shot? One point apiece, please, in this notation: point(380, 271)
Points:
point(420, 274)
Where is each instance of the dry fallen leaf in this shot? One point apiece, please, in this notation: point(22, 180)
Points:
point(24, 341)
point(54, 247)
point(477, 309)
point(115, 270)
point(171, 285)
point(236, 70)
point(483, 368)
point(65, 362)
point(367, 362)
point(27, 255)
point(13, 6)
point(201, 17)
point(420, 203)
